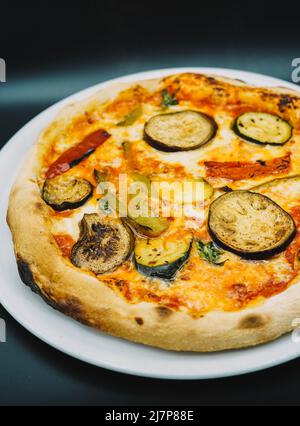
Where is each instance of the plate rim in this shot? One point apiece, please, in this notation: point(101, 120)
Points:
point(5, 151)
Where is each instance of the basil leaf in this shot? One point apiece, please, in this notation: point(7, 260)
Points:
point(168, 99)
point(104, 206)
point(210, 253)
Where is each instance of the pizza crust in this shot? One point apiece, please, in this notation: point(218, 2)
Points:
point(82, 296)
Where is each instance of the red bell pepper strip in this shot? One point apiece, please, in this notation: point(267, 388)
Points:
point(77, 153)
point(237, 170)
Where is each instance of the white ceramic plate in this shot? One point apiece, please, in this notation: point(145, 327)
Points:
point(91, 346)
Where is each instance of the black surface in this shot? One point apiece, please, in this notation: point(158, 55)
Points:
point(55, 50)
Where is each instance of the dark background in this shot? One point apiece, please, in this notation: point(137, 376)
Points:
point(54, 49)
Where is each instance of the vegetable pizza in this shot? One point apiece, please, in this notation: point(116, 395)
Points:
point(167, 212)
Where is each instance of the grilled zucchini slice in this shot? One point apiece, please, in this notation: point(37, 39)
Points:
point(103, 246)
point(250, 225)
point(263, 128)
point(191, 195)
point(66, 192)
point(162, 257)
point(280, 187)
point(132, 117)
point(151, 227)
point(180, 131)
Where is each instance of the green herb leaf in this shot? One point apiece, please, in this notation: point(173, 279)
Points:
point(168, 99)
point(104, 205)
point(210, 253)
point(127, 149)
point(99, 176)
point(131, 118)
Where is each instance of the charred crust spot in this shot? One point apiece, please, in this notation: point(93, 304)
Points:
point(212, 81)
point(221, 91)
point(163, 311)
point(240, 81)
point(226, 189)
point(71, 307)
point(26, 275)
point(139, 321)
point(252, 322)
point(285, 102)
point(39, 206)
point(119, 283)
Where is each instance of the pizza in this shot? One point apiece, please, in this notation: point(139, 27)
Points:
point(222, 274)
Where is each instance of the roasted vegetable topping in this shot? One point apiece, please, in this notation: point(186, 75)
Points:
point(127, 150)
point(180, 131)
point(99, 176)
point(77, 153)
point(66, 192)
point(168, 99)
point(162, 257)
point(132, 117)
point(281, 191)
point(103, 246)
point(194, 197)
point(210, 253)
point(280, 187)
point(65, 243)
point(250, 225)
point(145, 225)
point(208, 189)
point(237, 170)
point(263, 128)
point(151, 227)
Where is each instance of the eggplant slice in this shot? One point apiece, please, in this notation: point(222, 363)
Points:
point(66, 192)
point(263, 128)
point(162, 257)
point(250, 225)
point(180, 131)
point(103, 246)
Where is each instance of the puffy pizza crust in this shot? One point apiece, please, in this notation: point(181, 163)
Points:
point(83, 297)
